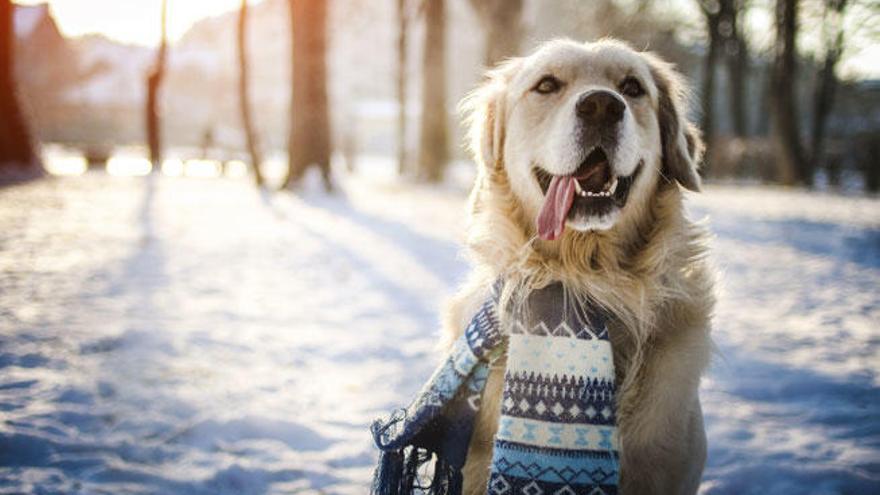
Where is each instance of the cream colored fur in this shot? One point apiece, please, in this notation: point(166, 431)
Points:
point(648, 269)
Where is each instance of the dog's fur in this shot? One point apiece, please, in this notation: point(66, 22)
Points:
point(646, 266)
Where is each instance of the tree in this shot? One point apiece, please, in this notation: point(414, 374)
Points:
point(434, 138)
point(502, 22)
point(402, 46)
point(787, 141)
point(309, 143)
point(737, 53)
point(725, 40)
point(253, 146)
point(154, 83)
point(823, 95)
point(16, 148)
point(711, 11)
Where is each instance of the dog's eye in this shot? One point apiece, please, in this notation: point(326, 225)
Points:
point(547, 85)
point(631, 87)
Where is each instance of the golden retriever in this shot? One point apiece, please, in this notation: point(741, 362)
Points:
point(583, 150)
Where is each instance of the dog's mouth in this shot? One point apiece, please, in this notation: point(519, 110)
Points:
point(593, 190)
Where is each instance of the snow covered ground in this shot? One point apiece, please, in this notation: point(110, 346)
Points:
point(182, 335)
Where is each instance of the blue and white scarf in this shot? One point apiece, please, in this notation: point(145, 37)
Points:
point(557, 431)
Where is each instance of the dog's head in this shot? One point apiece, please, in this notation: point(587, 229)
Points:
point(583, 133)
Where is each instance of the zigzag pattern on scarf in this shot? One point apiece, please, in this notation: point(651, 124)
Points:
point(561, 330)
point(539, 470)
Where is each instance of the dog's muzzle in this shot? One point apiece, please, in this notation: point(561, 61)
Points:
point(599, 115)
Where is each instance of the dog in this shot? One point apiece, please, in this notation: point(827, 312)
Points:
point(584, 152)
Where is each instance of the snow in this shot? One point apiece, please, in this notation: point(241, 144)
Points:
point(182, 335)
point(793, 400)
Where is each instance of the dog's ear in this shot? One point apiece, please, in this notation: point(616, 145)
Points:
point(485, 116)
point(681, 143)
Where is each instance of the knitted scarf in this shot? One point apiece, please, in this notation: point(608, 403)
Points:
point(557, 431)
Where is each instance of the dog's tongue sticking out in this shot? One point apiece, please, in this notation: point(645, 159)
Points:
point(557, 202)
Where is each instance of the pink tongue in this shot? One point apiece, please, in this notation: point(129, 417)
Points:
point(558, 200)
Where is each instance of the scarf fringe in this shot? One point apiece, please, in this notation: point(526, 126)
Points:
point(398, 474)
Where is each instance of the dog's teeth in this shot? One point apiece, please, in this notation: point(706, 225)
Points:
point(577, 187)
point(613, 187)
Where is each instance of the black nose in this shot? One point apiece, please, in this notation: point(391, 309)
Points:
point(600, 108)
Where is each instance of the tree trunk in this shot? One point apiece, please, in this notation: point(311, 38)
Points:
point(502, 22)
point(250, 135)
point(725, 41)
point(823, 97)
point(154, 82)
point(708, 90)
point(402, 26)
point(16, 148)
point(737, 55)
point(309, 142)
point(789, 152)
point(823, 100)
point(434, 140)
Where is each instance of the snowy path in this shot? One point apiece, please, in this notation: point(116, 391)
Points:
point(193, 336)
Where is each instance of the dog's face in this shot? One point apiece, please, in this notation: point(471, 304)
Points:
point(583, 131)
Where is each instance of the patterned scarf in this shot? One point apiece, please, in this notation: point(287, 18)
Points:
point(557, 431)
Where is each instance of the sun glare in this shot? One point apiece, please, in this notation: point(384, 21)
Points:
point(131, 21)
point(59, 161)
point(236, 169)
point(203, 168)
point(127, 166)
point(67, 165)
point(172, 167)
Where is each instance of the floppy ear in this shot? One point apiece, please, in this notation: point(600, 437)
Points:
point(680, 140)
point(485, 111)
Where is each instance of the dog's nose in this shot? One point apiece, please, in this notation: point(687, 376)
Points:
point(600, 108)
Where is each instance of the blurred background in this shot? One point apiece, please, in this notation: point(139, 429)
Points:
point(227, 228)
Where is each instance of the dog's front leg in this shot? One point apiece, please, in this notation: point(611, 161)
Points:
point(672, 465)
point(479, 457)
point(661, 422)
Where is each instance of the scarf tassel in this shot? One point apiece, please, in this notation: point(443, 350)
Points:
point(398, 474)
